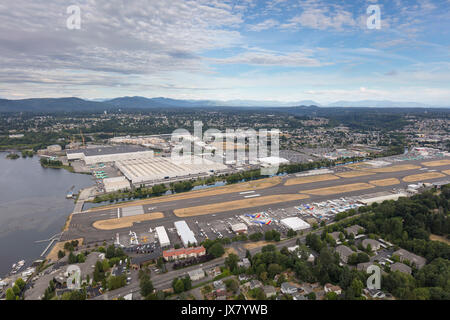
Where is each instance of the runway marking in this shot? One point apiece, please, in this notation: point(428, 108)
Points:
point(385, 182)
point(338, 189)
point(125, 222)
point(423, 176)
point(252, 196)
point(310, 179)
point(437, 163)
point(353, 174)
point(247, 192)
point(237, 204)
point(396, 168)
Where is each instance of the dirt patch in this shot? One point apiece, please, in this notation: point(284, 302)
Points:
point(228, 251)
point(125, 222)
point(237, 204)
point(397, 168)
point(353, 174)
point(310, 179)
point(436, 163)
point(435, 237)
point(53, 253)
point(239, 187)
point(258, 244)
point(423, 176)
point(338, 189)
point(385, 182)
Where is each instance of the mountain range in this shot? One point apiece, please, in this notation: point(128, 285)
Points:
point(76, 104)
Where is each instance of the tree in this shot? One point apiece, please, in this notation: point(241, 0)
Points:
point(110, 252)
point(232, 285)
point(231, 262)
point(72, 258)
point(115, 282)
point(256, 236)
point(216, 250)
point(10, 295)
point(331, 296)
point(146, 285)
point(61, 254)
point(311, 296)
point(357, 287)
point(178, 286)
point(291, 233)
point(187, 283)
point(20, 283)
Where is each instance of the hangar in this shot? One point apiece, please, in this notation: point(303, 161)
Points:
point(294, 223)
point(147, 169)
point(162, 237)
point(116, 184)
point(108, 154)
point(186, 234)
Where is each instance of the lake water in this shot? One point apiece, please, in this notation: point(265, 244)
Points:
point(32, 207)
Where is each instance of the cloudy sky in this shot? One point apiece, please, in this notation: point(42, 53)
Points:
point(224, 50)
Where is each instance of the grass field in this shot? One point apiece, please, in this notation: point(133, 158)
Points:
point(385, 182)
point(125, 222)
point(236, 204)
point(339, 189)
point(239, 187)
point(53, 254)
point(436, 163)
point(423, 176)
point(310, 179)
point(396, 168)
point(353, 174)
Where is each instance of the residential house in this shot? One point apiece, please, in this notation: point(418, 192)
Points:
point(332, 288)
point(196, 274)
point(269, 291)
point(344, 252)
point(288, 288)
point(335, 235)
point(255, 284)
point(355, 230)
point(298, 296)
point(244, 263)
point(398, 266)
point(414, 259)
point(374, 244)
point(363, 266)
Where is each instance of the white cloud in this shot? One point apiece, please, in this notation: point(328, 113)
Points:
point(267, 24)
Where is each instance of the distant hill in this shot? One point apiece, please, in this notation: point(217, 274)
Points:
point(50, 105)
point(73, 104)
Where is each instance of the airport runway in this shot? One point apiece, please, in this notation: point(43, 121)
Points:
point(81, 224)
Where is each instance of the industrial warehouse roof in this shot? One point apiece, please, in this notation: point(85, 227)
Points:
point(295, 223)
point(98, 151)
point(162, 236)
point(186, 234)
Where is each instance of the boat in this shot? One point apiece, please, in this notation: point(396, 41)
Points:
point(17, 266)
